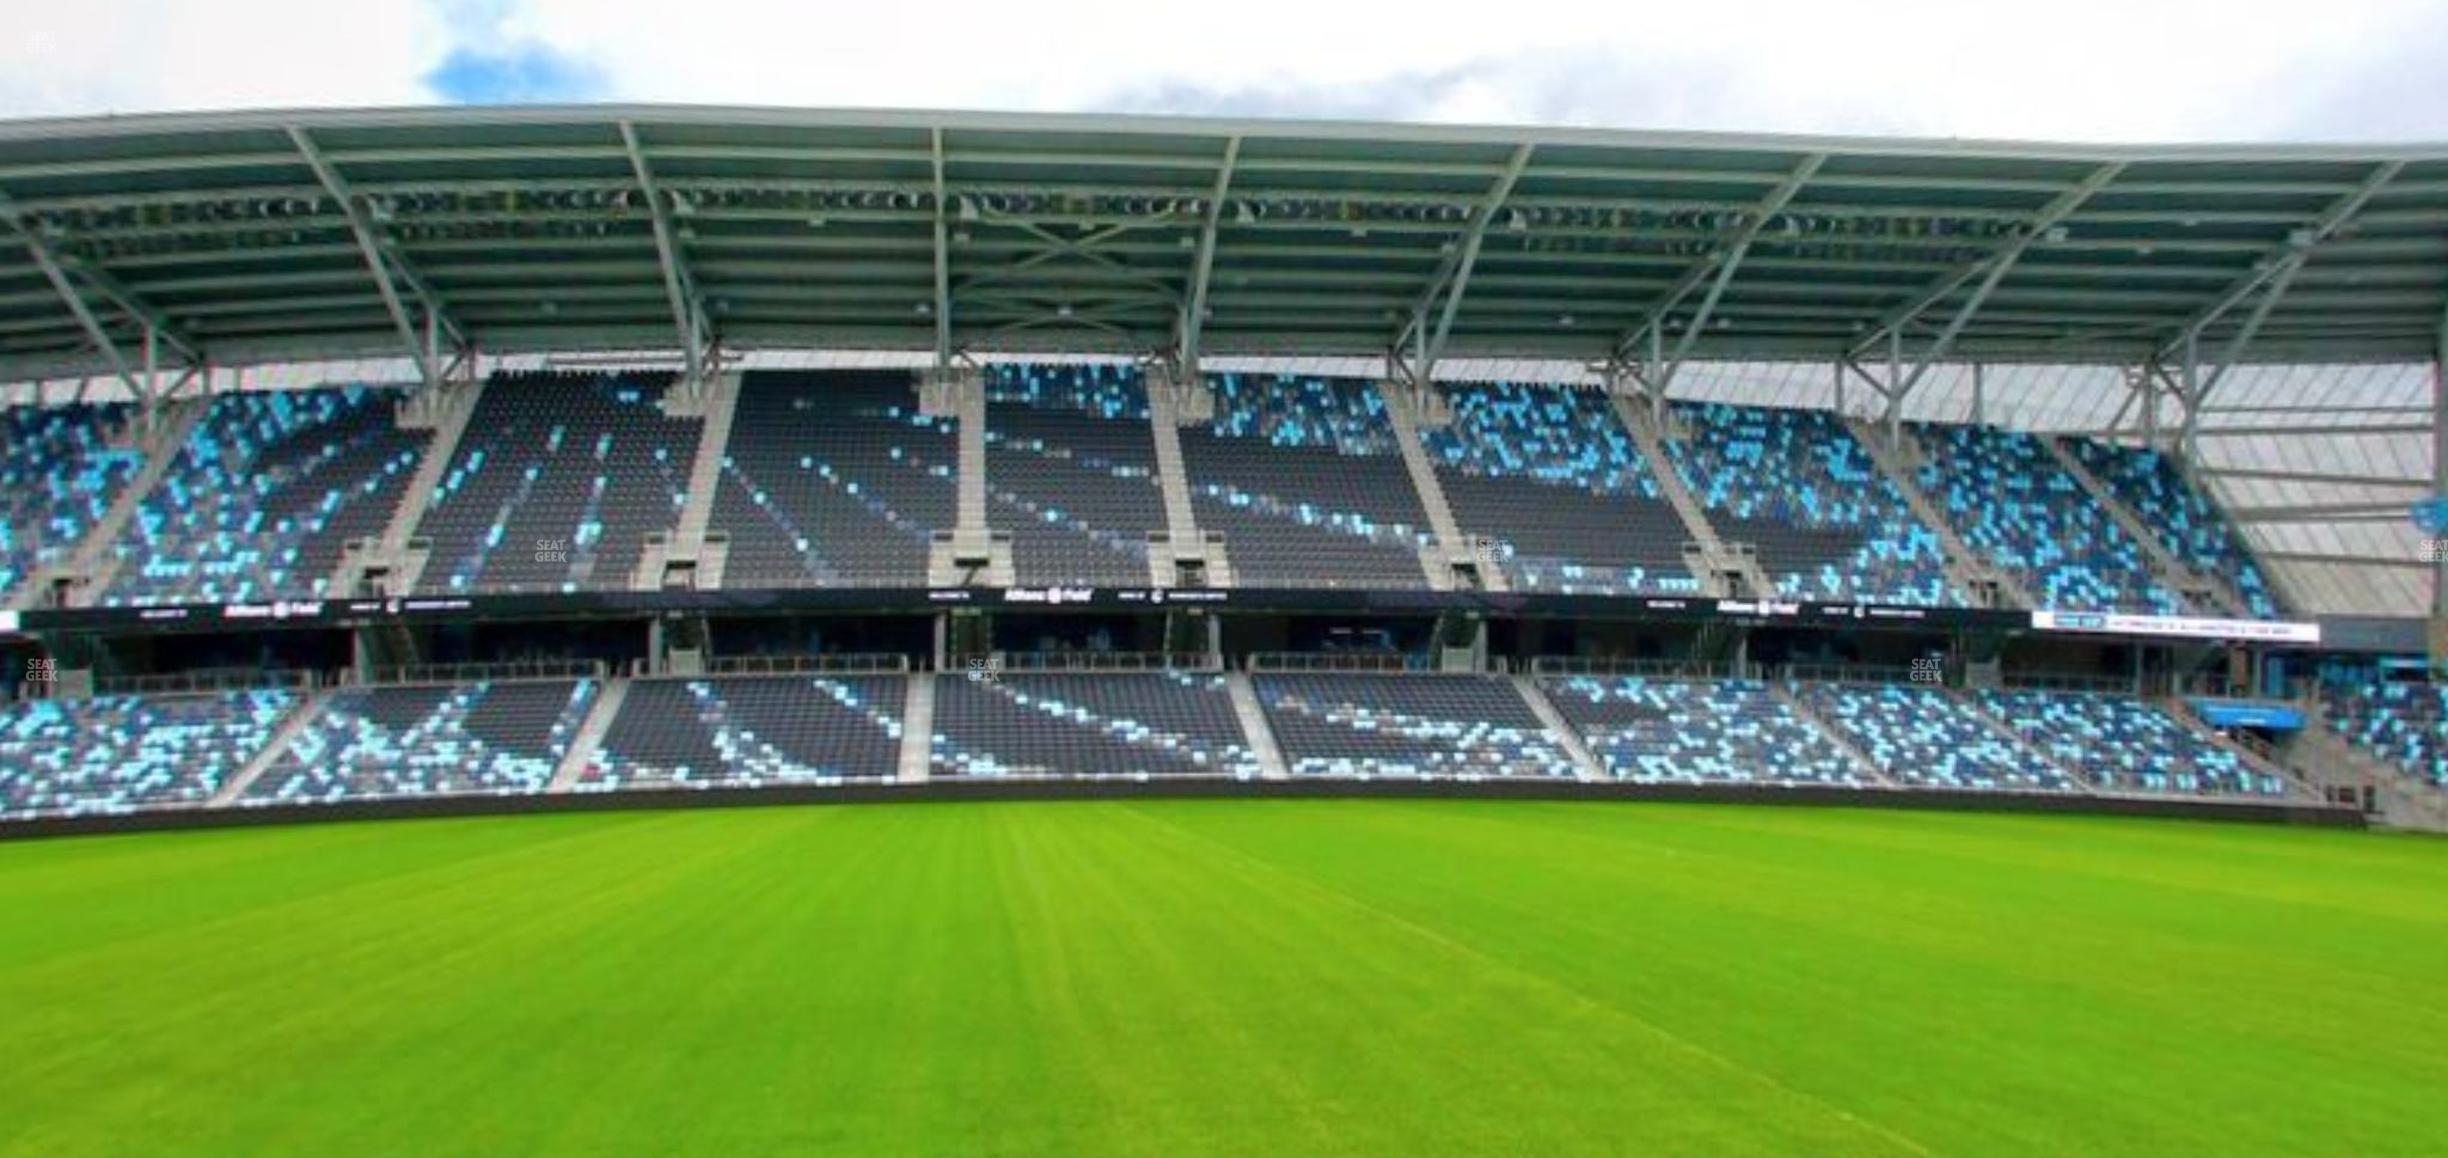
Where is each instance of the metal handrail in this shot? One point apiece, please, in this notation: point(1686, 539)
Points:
point(491, 672)
point(842, 663)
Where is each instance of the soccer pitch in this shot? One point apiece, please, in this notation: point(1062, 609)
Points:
point(1227, 978)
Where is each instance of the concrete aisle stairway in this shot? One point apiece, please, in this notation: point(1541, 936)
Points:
point(1164, 427)
point(1964, 567)
point(2326, 759)
point(1586, 765)
point(1254, 729)
point(1715, 556)
point(2005, 731)
point(2298, 784)
point(917, 730)
point(93, 559)
point(448, 417)
point(2194, 585)
point(1835, 735)
point(590, 735)
point(308, 707)
point(1451, 544)
point(721, 402)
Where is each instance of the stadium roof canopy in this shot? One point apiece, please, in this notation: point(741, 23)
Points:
point(268, 236)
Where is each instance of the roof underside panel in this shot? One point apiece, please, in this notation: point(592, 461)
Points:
point(535, 227)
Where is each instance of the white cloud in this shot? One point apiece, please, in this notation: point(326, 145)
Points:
point(132, 56)
point(2076, 69)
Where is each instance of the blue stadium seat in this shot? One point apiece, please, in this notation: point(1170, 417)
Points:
point(1922, 736)
point(58, 477)
point(2011, 502)
point(2403, 723)
point(1408, 727)
point(556, 483)
point(744, 731)
point(1550, 476)
point(117, 754)
point(1698, 732)
point(1071, 472)
point(2185, 519)
point(833, 479)
point(381, 743)
point(1088, 726)
point(1826, 524)
point(1303, 477)
point(267, 490)
point(2122, 744)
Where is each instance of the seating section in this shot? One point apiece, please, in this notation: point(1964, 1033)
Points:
point(267, 490)
point(116, 754)
point(1923, 736)
point(2122, 744)
point(497, 739)
point(2404, 723)
point(1401, 726)
point(1700, 732)
point(556, 483)
point(1305, 480)
point(2191, 526)
point(1550, 475)
point(833, 479)
point(1825, 523)
point(58, 476)
point(1089, 726)
point(2010, 501)
point(743, 731)
point(1071, 472)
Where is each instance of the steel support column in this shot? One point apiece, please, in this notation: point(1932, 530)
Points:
point(1990, 269)
point(943, 258)
point(1453, 275)
point(386, 268)
point(688, 309)
point(2439, 471)
point(1194, 312)
point(1724, 260)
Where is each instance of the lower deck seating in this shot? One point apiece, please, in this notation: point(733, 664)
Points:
point(1922, 736)
point(2122, 744)
point(2405, 724)
point(743, 731)
point(1089, 726)
point(375, 743)
point(1691, 731)
point(1443, 726)
point(114, 754)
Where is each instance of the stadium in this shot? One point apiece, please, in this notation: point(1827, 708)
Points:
point(672, 629)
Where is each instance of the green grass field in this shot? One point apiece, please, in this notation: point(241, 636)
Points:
point(1248, 978)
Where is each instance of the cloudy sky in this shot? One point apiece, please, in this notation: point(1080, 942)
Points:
point(2098, 70)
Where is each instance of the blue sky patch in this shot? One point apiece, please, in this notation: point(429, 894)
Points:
point(525, 74)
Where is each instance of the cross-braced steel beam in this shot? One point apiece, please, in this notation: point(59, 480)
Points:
point(688, 308)
point(63, 271)
point(1989, 270)
point(389, 271)
point(1194, 312)
point(1453, 274)
point(1724, 261)
point(2270, 277)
